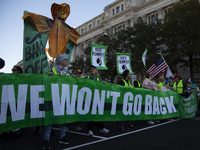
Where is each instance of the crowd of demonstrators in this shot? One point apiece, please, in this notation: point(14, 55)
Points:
point(93, 76)
point(175, 83)
point(126, 82)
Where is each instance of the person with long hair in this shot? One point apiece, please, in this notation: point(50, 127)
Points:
point(148, 84)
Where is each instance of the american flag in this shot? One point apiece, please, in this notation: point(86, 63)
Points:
point(158, 66)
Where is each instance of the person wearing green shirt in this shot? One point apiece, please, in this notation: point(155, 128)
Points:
point(161, 82)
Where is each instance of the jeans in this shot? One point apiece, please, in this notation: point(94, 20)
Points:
point(47, 131)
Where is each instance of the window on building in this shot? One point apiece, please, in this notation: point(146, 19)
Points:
point(113, 11)
point(122, 7)
point(98, 22)
point(115, 30)
point(153, 18)
point(82, 47)
point(90, 43)
point(117, 9)
point(149, 20)
point(90, 27)
point(120, 28)
point(123, 27)
point(82, 30)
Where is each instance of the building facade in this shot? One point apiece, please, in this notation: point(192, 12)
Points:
point(119, 15)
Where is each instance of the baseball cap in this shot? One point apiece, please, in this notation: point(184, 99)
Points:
point(93, 66)
point(79, 71)
point(189, 80)
point(176, 76)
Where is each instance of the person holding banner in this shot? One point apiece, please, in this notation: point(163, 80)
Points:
point(93, 76)
point(171, 83)
point(180, 85)
point(161, 82)
point(148, 84)
point(117, 79)
point(125, 82)
point(138, 81)
point(126, 79)
point(16, 69)
point(59, 69)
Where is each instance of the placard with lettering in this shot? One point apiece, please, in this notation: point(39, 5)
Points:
point(98, 53)
point(123, 61)
point(34, 54)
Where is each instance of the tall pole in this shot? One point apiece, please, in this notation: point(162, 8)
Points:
point(165, 61)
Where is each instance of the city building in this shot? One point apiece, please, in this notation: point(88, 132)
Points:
point(121, 14)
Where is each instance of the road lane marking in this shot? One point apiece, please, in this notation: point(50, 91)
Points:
point(120, 135)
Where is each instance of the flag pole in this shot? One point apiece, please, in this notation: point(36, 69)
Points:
point(165, 62)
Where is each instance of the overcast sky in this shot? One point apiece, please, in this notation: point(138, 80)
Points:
point(11, 24)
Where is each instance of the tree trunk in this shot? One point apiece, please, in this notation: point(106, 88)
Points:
point(191, 67)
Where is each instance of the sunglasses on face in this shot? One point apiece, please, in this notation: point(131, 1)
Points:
point(14, 69)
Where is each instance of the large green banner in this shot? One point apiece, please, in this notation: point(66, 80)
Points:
point(41, 99)
point(188, 105)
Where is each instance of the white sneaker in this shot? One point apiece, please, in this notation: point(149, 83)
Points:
point(90, 133)
point(157, 121)
point(104, 130)
point(78, 128)
point(150, 122)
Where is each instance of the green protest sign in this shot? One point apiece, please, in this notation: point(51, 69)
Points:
point(40, 99)
point(34, 54)
point(123, 61)
point(144, 57)
point(98, 53)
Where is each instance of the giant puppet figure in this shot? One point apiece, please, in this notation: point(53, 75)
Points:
point(58, 32)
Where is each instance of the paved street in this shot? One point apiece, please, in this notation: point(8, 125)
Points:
point(181, 134)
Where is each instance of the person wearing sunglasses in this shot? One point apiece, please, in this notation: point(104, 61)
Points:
point(17, 69)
